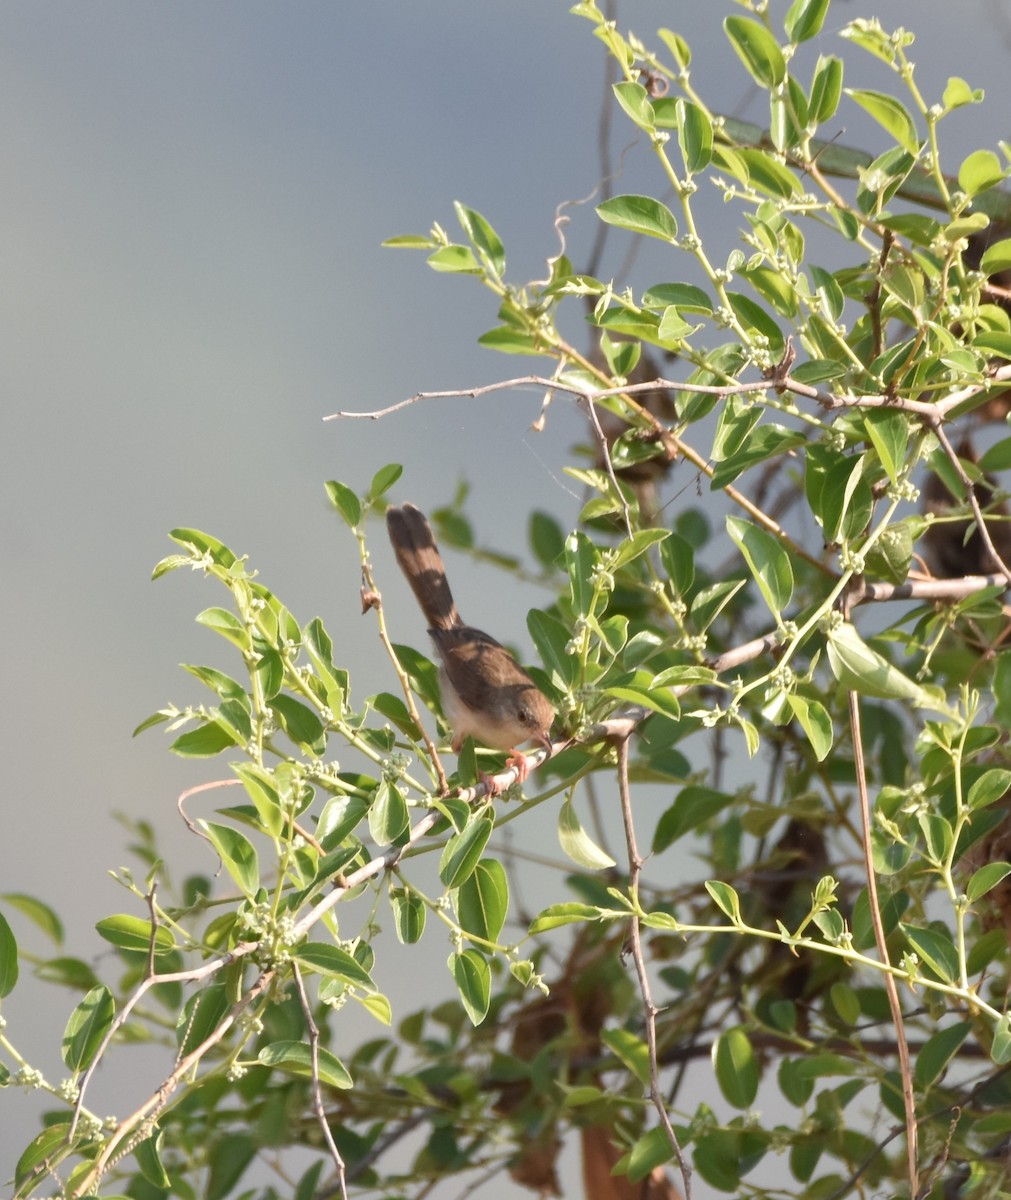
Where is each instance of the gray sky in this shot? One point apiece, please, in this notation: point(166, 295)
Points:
point(191, 276)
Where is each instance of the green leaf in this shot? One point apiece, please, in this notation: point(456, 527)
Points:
point(227, 624)
point(814, 719)
point(635, 101)
point(755, 319)
point(569, 912)
point(224, 685)
point(463, 852)
point(958, 93)
point(408, 915)
point(677, 45)
point(767, 174)
point(726, 899)
point(861, 669)
point(8, 959)
point(694, 805)
point(551, 637)
point(639, 214)
point(826, 90)
point(41, 915)
point(985, 879)
point(937, 951)
point(261, 788)
point(678, 559)
point(804, 19)
point(890, 114)
point(581, 562)
point(659, 700)
point(768, 562)
point(300, 723)
point(384, 479)
point(981, 170)
point(711, 601)
point(992, 785)
point(846, 500)
point(640, 541)
point(736, 1067)
point(764, 442)
point(695, 136)
point(846, 1002)
point(757, 49)
point(377, 1006)
point(228, 1156)
point(388, 815)
point(1000, 1050)
point(485, 240)
point(889, 435)
point(200, 1017)
point(40, 1151)
point(407, 241)
point(482, 901)
point(295, 1058)
point(345, 501)
point(473, 980)
point(649, 1151)
point(685, 297)
point(508, 340)
point(148, 1156)
point(341, 815)
point(546, 538)
point(205, 741)
point(205, 546)
point(335, 963)
point(630, 1049)
point(996, 257)
point(454, 260)
point(236, 853)
point(128, 932)
point(577, 843)
point(88, 1025)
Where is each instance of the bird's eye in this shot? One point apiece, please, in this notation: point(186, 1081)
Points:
point(524, 716)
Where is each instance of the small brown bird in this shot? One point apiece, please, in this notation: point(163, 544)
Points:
point(486, 694)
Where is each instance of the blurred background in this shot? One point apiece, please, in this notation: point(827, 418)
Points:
point(191, 277)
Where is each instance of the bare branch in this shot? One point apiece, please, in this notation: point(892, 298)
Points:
point(902, 1047)
point(650, 1010)
point(317, 1096)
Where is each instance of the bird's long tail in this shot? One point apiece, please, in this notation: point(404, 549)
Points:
point(421, 562)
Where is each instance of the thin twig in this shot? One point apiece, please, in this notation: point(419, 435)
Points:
point(155, 1103)
point(317, 1095)
point(605, 452)
point(650, 1010)
point(375, 601)
point(971, 497)
point(902, 1047)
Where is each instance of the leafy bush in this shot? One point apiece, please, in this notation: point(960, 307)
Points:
point(835, 930)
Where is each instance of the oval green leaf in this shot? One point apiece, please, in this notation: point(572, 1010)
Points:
point(295, 1058)
point(757, 49)
point(639, 214)
point(482, 901)
point(88, 1025)
point(736, 1067)
point(463, 852)
point(236, 853)
point(473, 980)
